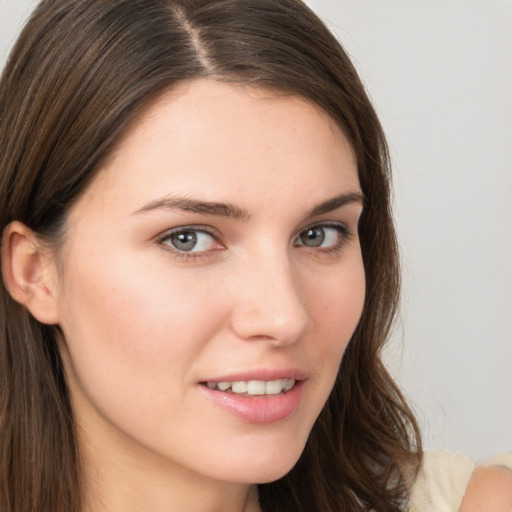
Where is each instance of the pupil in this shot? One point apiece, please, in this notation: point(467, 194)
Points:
point(313, 237)
point(184, 241)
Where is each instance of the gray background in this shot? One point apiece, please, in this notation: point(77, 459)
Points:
point(440, 76)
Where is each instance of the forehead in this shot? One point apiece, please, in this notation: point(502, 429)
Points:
point(227, 104)
point(213, 138)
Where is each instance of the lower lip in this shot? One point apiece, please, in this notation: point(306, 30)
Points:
point(259, 408)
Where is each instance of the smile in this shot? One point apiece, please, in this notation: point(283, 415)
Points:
point(256, 401)
point(254, 387)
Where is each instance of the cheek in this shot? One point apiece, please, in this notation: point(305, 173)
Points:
point(134, 341)
point(336, 307)
point(126, 328)
point(134, 305)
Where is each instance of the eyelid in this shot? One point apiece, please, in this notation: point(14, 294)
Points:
point(345, 232)
point(189, 255)
point(188, 227)
point(341, 226)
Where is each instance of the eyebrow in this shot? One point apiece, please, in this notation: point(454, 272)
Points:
point(196, 206)
point(336, 202)
point(234, 212)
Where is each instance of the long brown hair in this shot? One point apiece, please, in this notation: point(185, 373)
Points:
point(79, 73)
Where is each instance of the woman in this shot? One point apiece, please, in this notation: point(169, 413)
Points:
point(194, 297)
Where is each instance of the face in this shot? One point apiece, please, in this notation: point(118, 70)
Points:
point(210, 281)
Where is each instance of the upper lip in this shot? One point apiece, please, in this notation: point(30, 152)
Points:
point(261, 374)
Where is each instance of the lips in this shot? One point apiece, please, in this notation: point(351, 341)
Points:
point(259, 397)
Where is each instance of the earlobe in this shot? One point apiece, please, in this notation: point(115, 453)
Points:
point(27, 272)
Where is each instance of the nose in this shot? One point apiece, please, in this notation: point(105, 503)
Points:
point(268, 303)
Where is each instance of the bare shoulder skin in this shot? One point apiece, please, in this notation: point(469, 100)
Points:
point(489, 490)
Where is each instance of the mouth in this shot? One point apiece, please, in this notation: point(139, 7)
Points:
point(256, 401)
point(253, 387)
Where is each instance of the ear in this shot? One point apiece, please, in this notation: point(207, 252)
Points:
point(29, 272)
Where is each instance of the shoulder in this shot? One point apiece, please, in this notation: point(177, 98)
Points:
point(448, 481)
point(489, 490)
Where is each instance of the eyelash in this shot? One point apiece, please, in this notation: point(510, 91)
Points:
point(345, 235)
point(187, 255)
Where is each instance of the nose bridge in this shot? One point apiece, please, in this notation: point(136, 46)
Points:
point(269, 302)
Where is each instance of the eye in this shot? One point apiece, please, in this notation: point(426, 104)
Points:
point(190, 240)
point(325, 236)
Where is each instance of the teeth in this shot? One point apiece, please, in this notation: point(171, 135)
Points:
point(274, 387)
point(239, 387)
point(288, 384)
point(254, 387)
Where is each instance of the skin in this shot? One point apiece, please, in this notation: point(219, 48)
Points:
point(489, 490)
point(144, 324)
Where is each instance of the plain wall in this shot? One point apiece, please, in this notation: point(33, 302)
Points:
point(440, 76)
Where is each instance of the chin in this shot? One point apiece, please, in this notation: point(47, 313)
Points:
point(264, 465)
